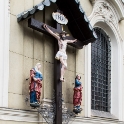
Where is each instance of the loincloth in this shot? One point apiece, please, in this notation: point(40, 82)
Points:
point(60, 54)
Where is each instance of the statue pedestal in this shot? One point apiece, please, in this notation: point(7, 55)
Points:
point(34, 105)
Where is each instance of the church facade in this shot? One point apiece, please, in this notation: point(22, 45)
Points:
point(100, 64)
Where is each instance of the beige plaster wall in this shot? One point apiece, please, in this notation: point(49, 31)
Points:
point(27, 47)
point(87, 7)
point(17, 122)
point(13, 122)
point(121, 26)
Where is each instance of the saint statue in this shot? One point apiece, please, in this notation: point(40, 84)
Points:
point(77, 96)
point(35, 85)
point(61, 54)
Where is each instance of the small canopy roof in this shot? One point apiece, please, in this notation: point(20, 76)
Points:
point(78, 22)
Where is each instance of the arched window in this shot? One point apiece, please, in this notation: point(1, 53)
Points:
point(101, 72)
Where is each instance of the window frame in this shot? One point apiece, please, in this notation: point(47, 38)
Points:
point(101, 51)
point(116, 75)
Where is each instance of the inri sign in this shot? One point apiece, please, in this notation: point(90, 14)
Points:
point(60, 18)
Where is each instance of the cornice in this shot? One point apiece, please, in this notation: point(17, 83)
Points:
point(18, 115)
point(9, 114)
point(32, 115)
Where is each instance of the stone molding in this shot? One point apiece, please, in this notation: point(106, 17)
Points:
point(105, 15)
point(102, 114)
point(4, 51)
point(8, 114)
point(94, 120)
point(18, 115)
point(31, 115)
point(121, 19)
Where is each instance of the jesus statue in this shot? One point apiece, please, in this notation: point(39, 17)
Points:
point(61, 54)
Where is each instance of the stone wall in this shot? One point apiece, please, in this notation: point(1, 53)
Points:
point(27, 47)
point(87, 7)
point(121, 26)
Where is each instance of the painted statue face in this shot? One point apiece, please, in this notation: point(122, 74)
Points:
point(63, 35)
point(39, 66)
point(78, 77)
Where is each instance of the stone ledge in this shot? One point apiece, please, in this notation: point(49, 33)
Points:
point(10, 114)
point(102, 114)
point(94, 120)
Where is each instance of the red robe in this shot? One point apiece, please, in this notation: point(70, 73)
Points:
point(77, 96)
point(35, 85)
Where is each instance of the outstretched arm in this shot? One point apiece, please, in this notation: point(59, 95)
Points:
point(51, 32)
point(71, 41)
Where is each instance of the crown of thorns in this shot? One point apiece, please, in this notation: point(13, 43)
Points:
point(63, 32)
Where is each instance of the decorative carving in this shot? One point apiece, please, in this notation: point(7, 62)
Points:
point(105, 11)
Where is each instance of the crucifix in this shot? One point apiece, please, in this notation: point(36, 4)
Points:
point(39, 26)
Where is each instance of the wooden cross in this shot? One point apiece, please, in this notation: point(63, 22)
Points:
point(36, 25)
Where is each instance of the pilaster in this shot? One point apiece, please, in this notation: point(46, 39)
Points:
point(4, 51)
